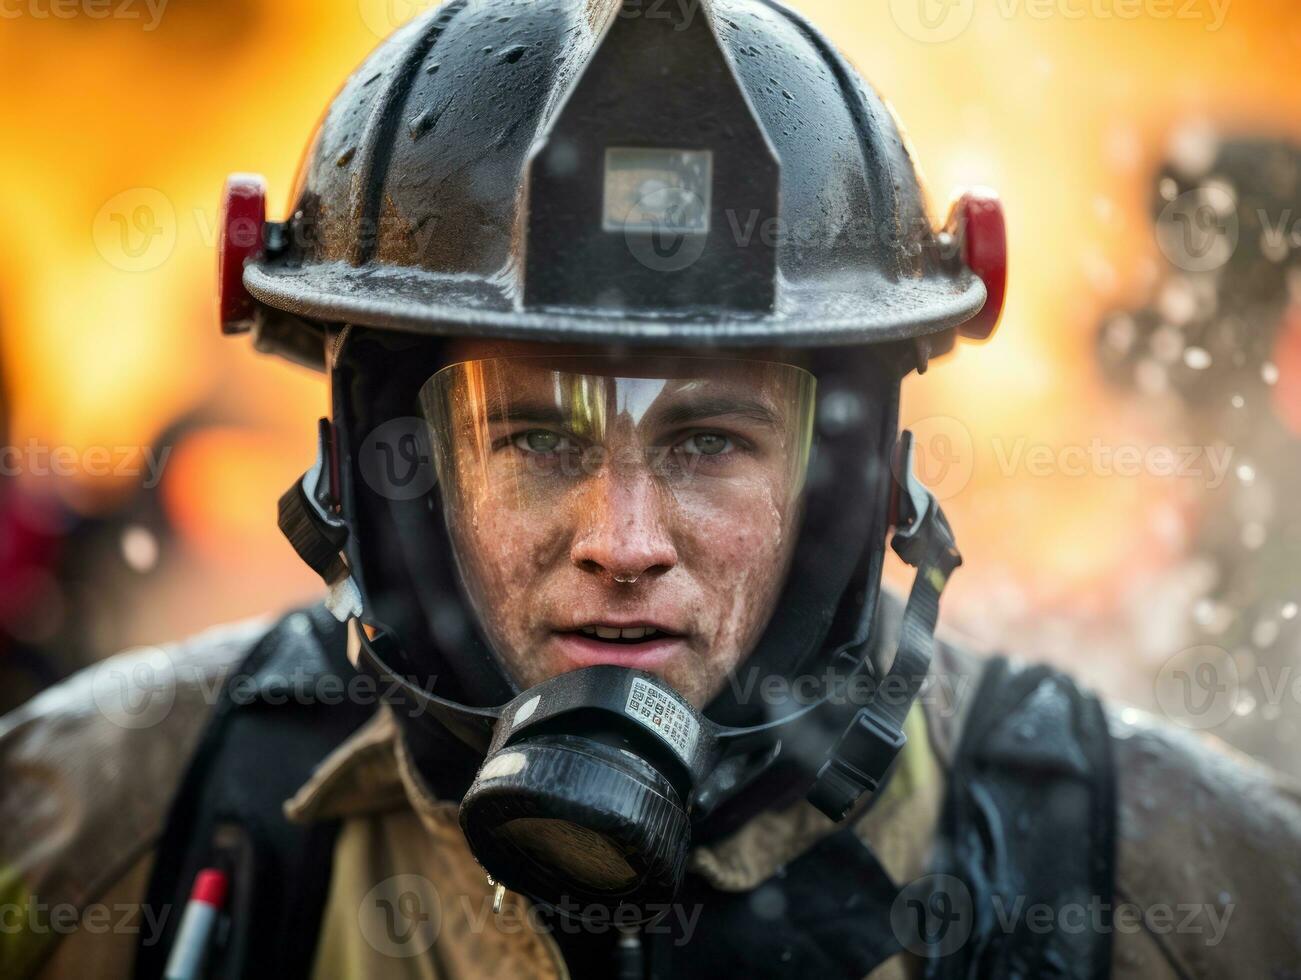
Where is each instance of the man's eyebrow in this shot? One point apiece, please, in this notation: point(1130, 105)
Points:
point(542, 412)
point(716, 406)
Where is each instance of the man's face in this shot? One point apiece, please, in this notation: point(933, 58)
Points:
point(640, 512)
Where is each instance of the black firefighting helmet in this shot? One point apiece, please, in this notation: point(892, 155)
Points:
point(704, 176)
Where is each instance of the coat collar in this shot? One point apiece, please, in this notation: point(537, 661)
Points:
point(370, 773)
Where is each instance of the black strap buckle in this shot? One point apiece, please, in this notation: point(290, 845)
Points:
point(307, 515)
point(919, 522)
point(857, 764)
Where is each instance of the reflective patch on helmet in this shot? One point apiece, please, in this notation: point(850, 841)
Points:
point(665, 715)
point(658, 191)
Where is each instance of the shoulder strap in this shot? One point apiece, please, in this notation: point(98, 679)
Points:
point(1028, 833)
point(276, 718)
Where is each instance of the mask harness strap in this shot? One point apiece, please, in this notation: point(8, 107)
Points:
point(864, 753)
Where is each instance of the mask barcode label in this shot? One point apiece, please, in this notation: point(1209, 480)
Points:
point(665, 715)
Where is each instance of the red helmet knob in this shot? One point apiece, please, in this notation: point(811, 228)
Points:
point(243, 222)
point(977, 221)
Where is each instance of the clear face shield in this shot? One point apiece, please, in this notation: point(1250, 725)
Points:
point(630, 511)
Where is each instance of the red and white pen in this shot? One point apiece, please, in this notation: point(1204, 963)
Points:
point(192, 938)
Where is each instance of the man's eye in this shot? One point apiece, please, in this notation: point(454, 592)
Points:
point(706, 444)
point(542, 441)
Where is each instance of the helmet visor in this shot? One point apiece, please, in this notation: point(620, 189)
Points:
point(544, 438)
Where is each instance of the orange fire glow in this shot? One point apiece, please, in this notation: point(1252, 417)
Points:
point(118, 138)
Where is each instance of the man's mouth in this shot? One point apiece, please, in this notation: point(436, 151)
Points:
point(622, 634)
point(643, 646)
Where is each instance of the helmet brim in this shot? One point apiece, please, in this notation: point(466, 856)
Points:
point(856, 309)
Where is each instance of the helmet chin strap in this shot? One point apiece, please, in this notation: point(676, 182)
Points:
point(865, 751)
point(859, 758)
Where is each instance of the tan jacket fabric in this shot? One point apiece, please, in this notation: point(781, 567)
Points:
point(1210, 842)
point(87, 769)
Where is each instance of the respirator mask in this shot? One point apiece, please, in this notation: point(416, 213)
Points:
point(622, 529)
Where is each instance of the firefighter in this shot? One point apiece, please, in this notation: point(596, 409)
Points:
point(615, 302)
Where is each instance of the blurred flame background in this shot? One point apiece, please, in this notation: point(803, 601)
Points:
point(119, 130)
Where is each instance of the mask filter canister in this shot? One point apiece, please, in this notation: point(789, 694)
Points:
point(582, 800)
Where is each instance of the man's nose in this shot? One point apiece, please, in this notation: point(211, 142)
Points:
point(623, 532)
